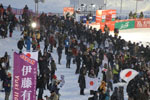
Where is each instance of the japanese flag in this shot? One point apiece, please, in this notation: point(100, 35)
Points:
point(128, 74)
point(32, 55)
point(92, 83)
point(104, 69)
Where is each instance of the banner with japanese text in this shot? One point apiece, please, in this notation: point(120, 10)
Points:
point(24, 77)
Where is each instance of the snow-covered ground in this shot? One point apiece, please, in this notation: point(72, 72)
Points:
point(70, 91)
point(136, 35)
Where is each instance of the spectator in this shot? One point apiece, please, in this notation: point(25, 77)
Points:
point(7, 86)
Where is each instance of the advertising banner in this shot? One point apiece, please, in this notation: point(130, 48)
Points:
point(105, 15)
point(69, 11)
point(113, 14)
point(24, 77)
point(125, 25)
point(98, 16)
point(142, 23)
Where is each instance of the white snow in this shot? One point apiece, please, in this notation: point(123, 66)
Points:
point(70, 91)
point(136, 35)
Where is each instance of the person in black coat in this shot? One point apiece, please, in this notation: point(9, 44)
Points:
point(59, 51)
point(20, 45)
point(115, 95)
point(3, 74)
point(78, 63)
point(68, 58)
point(11, 28)
point(81, 80)
point(41, 81)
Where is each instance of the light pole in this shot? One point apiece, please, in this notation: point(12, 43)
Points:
point(105, 4)
point(121, 7)
point(37, 5)
point(136, 6)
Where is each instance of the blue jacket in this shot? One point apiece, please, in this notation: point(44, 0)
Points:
point(67, 43)
point(28, 43)
point(107, 96)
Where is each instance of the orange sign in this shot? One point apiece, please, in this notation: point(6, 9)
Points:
point(98, 16)
point(105, 15)
point(69, 11)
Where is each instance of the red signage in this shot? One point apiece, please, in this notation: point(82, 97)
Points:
point(142, 23)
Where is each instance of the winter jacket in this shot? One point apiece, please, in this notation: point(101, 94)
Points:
point(67, 43)
point(53, 66)
point(2, 73)
point(51, 40)
point(115, 95)
point(20, 44)
point(59, 49)
point(28, 43)
point(81, 81)
point(38, 36)
point(107, 96)
point(109, 75)
point(7, 84)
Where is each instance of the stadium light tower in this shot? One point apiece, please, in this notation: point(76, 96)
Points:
point(37, 5)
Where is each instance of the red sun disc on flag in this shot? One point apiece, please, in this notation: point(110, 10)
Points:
point(28, 55)
point(91, 83)
point(129, 74)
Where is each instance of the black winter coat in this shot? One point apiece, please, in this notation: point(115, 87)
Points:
point(7, 84)
point(20, 44)
point(81, 81)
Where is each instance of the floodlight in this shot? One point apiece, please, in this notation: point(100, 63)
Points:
point(33, 25)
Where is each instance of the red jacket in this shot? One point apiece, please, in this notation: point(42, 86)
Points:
point(51, 40)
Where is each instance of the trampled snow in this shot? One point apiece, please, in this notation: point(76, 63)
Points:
point(71, 90)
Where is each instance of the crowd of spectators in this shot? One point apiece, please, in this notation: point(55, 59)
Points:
point(88, 49)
